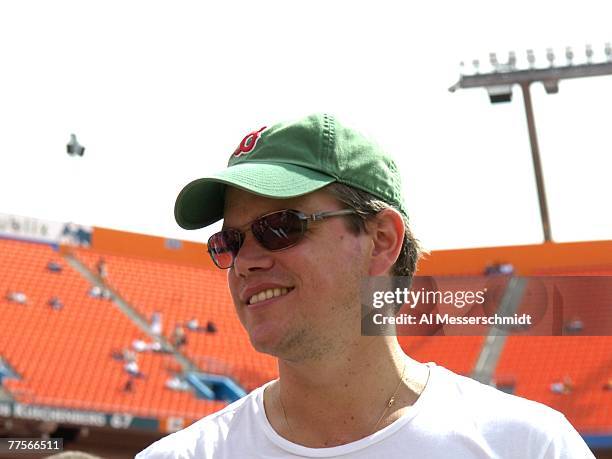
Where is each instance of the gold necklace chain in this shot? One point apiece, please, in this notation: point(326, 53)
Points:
point(387, 406)
point(392, 399)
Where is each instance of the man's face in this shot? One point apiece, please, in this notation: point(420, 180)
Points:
point(322, 274)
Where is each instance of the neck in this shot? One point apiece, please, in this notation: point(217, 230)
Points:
point(338, 399)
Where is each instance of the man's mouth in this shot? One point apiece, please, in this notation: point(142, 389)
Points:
point(268, 294)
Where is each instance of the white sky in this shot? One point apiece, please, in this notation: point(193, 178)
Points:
point(162, 92)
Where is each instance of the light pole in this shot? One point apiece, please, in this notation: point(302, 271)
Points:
point(504, 75)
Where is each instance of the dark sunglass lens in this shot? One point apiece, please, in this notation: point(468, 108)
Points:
point(223, 247)
point(278, 230)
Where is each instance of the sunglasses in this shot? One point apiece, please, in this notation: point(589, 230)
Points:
point(274, 231)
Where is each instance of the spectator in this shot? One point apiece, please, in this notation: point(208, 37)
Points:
point(179, 338)
point(156, 323)
point(101, 268)
point(129, 385)
point(55, 303)
point(95, 292)
point(574, 326)
point(177, 383)
point(129, 355)
point(562, 387)
point(139, 345)
point(17, 297)
point(193, 324)
point(103, 274)
point(499, 269)
point(54, 267)
point(98, 292)
point(133, 369)
point(211, 327)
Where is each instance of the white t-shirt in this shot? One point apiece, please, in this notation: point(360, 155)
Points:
point(455, 417)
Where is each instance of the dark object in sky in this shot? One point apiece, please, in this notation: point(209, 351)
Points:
point(74, 147)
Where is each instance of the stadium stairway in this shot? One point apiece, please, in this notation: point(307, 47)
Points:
point(140, 321)
point(496, 338)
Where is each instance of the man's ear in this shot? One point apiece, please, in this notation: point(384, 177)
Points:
point(387, 232)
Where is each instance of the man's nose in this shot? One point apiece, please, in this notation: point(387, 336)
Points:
point(252, 257)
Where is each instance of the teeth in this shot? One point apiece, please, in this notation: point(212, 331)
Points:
point(267, 294)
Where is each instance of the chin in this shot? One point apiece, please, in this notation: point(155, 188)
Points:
point(268, 335)
point(265, 344)
point(273, 345)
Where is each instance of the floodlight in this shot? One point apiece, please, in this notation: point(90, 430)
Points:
point(498, 94)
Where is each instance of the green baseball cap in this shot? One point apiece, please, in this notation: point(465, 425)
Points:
point(293, 159)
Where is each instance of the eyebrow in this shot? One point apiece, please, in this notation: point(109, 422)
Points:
point(248, 223)
point(292, 205)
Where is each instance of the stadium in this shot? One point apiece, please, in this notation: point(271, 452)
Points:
point(63, 367)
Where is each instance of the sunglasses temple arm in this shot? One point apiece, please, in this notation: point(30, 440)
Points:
point(323, 215)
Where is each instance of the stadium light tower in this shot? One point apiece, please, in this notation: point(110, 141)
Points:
point(502, 76)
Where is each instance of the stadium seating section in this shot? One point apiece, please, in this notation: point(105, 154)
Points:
point(64, 357)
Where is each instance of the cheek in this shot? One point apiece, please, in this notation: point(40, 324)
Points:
point(338, 265)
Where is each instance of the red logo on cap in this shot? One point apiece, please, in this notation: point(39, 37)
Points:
point(248, 143)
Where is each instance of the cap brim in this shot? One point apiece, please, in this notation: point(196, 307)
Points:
point(201, 202)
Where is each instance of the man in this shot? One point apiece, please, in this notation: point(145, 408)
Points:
point(311, 209)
